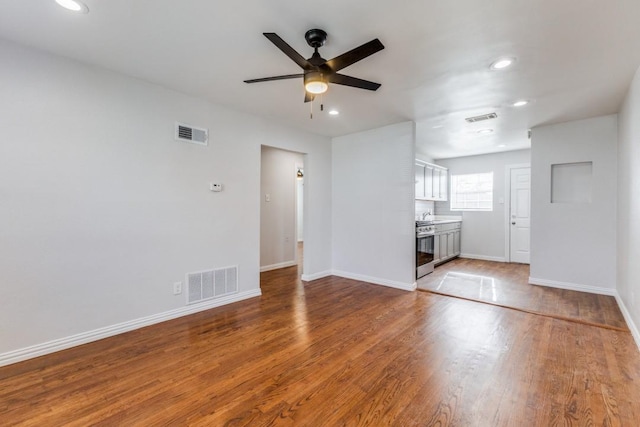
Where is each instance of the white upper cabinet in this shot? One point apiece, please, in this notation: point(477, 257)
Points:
point(431, 181)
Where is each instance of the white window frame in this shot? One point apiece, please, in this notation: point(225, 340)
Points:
point(473, 196)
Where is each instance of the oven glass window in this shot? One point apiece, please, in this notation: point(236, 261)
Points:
point(424, 250)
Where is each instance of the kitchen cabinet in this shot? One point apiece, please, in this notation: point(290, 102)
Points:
point(450, 250)
point(456, 242)
point(431, 181)
point(447, 242)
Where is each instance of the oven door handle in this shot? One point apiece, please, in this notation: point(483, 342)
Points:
point(425, 235)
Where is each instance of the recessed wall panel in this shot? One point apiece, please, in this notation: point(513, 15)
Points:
point(571, 182)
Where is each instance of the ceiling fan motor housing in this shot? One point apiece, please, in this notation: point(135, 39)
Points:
point(315, 38)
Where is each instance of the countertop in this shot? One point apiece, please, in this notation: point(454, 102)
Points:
point(438, 219)
point(445, 221)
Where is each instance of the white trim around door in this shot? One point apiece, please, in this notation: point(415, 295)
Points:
point(507, 207)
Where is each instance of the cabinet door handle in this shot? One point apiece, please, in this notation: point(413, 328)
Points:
point(513, 223)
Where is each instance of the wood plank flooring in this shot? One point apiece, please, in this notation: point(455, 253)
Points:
point(336, 352)
point(508, 284)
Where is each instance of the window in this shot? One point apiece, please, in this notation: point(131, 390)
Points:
point(472, 192)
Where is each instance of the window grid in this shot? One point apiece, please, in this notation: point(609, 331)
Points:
point(472, 192)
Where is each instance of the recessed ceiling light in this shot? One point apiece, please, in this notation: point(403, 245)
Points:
point(502, 145)
point(437, 126)
point(485, 131)
point(520, 103)
point(502, 63)
point(334, 112)
point(74, 5)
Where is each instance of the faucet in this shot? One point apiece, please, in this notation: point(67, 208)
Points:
point(424, 215)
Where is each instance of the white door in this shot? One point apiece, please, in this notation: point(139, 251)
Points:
point(519, 214)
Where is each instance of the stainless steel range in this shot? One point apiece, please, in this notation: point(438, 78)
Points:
point(425, 248)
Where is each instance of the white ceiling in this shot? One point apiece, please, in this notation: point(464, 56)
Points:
point(575, 58)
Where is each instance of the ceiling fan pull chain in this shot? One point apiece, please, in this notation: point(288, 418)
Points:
point(321, 103)
point(311, 110)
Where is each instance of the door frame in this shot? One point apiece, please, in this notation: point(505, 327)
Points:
point(507, 207)
point(299, 212)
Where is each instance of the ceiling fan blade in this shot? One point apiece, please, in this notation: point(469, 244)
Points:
point(308, 97)
point(288, 50)
point(355, 55)
point(268, 79)
point(341, 79)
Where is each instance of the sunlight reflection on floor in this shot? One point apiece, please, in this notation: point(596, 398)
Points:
point(486, 285)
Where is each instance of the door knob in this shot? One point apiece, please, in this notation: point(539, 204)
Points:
point(513, 223)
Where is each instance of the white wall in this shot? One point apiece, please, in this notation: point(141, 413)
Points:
point(427, 207)
point(102, 210)
point(629, 204)
point(574, 245)
point(278, 215)
point(373, 205)
point(483, 233)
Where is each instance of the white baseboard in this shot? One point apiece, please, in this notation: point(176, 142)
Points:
point(483, 257)
point(109, 331)
point(278, 265)
point(627, 317)
point(572, 286)
point(316, 276)
point(377, 281)
point(374, 280)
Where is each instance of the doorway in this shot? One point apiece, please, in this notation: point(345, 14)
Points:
point(299, 213)
point(279, 207)
point(518, 209)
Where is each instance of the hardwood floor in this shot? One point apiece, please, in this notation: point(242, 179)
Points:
point(337, 352)
point(507, 284)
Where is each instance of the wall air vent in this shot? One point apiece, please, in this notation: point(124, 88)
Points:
point(192, 134)
point(211, 284)
point(481, 117)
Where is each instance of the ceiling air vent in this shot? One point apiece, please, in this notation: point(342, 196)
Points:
point(481, 118)
point(192, 134)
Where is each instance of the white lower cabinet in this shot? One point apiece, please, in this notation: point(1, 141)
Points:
point(447, 242)
point(450, 251)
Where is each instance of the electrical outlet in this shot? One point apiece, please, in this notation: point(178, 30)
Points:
point(177, 288)
point(267, 197)
point(286, 239)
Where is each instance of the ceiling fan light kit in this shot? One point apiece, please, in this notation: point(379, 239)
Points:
point(319, 72)
point(315, 83)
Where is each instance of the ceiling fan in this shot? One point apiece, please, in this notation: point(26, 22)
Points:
point(319, 72)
